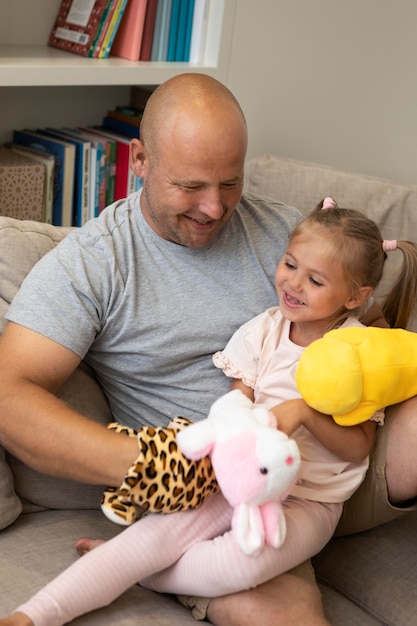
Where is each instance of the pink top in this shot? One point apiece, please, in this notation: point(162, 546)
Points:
point(261, 354)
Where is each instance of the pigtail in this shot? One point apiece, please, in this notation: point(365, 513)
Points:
point(402, 298)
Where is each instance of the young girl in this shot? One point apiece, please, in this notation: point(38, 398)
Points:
point(333, 263)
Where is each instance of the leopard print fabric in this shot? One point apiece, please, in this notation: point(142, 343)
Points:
point(161, 480)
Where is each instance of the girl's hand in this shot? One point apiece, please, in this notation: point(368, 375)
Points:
point(291, 414)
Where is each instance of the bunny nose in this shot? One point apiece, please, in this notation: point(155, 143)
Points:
point(289, 460)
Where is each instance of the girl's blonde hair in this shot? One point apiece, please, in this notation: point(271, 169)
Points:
point(358, 245)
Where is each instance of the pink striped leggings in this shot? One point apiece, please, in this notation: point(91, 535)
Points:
point(177, 554)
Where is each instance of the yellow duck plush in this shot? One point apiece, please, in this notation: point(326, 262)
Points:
point(350, 373)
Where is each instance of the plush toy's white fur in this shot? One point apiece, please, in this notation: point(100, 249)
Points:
point(255, 465)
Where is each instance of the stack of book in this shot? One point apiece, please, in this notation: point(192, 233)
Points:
point(87, 27)
point(138, 30)
point(69, 175)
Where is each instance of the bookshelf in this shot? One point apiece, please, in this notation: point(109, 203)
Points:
point(40, 85)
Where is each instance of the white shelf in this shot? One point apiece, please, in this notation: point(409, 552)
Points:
point(26, 60)
point(44, 86)
point(28, 66)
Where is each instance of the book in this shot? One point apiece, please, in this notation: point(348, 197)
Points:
point(102, 175)
point(81, 193)
point(110, 149)
point(105, 29)
point(125, 181)
point(128, 41)
point(156, 29)
point(126, 114)
point(199, 31)
point(64, 171)
point(97, 40)
point(112, 29)
point(188, 31)
point(118, 126)
point(148, 30)
point(213, 34)
point(173, 30)
point(48, 161)
point(95, 182)
point(22, 182)
point(76, 25)
point(160, 40)
point(93, 186)
point(185, 15)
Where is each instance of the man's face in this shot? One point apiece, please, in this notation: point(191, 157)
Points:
point(191, 190)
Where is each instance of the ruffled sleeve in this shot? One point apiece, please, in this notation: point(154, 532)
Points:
point(240, 358)
point(378, 417)
point(221, 361)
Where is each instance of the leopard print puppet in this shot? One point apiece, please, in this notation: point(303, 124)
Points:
point(161, 480)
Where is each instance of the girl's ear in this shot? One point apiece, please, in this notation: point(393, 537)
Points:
point(137, 157)
point(361, 295)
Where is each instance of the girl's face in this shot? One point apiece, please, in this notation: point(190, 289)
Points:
point(310, 283)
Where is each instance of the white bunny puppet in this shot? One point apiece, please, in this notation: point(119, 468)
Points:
point(255, 464)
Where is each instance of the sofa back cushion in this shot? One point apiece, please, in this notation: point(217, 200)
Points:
point(301, 184)
point(22, 244)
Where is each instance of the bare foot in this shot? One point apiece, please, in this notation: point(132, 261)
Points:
point(17, 619)
point(85, 544)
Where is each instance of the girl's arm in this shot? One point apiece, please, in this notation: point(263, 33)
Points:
point(238, 384)
point(350, 443)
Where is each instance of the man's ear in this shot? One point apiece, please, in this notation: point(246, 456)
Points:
point(137, 157)
point(361, 295)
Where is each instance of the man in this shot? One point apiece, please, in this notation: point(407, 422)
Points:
point(146, 294)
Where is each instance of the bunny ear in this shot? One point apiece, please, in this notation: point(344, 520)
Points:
point(197, 440)
point(264, 417)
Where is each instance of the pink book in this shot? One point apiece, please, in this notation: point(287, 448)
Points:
point(128, 40)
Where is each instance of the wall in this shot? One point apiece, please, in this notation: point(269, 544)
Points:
point(330, 81)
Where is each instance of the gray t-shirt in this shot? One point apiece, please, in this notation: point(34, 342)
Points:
point(148, 314)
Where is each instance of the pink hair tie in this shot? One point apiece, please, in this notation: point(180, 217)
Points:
point(389, 244)
point(329, 203)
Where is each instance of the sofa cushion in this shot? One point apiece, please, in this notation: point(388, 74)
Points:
point(10, 504)
point(22, 244)
point(38, 546)
point(38, 491)
point(375, 570)
point(303, 185)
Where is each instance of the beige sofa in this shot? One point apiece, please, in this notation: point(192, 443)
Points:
point(367, 579)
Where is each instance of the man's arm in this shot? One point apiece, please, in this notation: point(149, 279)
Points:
point(43, 431)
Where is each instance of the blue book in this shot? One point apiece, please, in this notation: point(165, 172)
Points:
point(81, 197)
point(185, 22)
point(118, 126)
point(188, 31)
point(173, 30)
point(64, 154)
